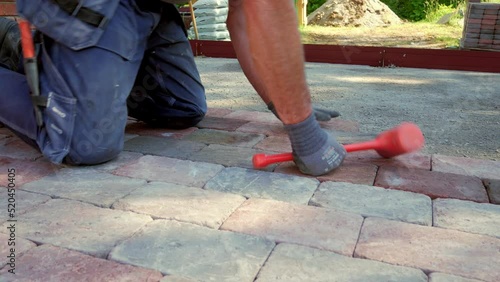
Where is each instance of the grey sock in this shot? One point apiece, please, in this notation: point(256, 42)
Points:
point(315, 151)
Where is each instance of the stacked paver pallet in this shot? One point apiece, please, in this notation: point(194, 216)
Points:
point(482, 26)
point(211, 18)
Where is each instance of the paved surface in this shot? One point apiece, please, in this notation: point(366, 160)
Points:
point(187, 206)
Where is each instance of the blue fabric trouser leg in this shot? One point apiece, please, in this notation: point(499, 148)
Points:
point(168, 91)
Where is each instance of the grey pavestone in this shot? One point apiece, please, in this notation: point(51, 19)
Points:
point(154, 168)
point(325, 229)
point(50, 263)
point(20, 247)
point(443, 277)
point(221, 137)
point(189, 204)
point(123, 158)
point(174, 278)
point(24, 202)
point(78, 226)
point(493, 188)
point(467, 216)
point(374, 201)
point(299, 263)
point(260, 184)
point(226, 155)
point(87, 185)
point(196, 252)
point(129, 136)
point(163, 146)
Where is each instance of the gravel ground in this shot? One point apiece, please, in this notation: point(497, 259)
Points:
point(459, 112)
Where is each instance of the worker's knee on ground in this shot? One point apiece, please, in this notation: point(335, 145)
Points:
point(91, 147)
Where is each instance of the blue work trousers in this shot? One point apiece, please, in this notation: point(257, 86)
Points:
point(141, 65)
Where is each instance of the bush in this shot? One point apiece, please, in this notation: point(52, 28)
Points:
point(416, 10)
point(312, 5)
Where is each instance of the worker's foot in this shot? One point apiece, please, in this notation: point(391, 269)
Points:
point(315, 152)
point(10, 48)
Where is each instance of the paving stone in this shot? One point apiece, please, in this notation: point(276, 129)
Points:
point(217, 112)
point(493, 188)
point(5, 131)
point(433, 184)
point(49, 263)
point(180, 149)
point(260, 184)
point(483, 169)
point(124, 158)
point(238, 139)
point(320, 228)
point(337, 124)
point(24, 202)
point(279, 144)
point(221, 123)
point(467, 216)
point(142, 129)
point(152, 168)
point(129, 136)
point(195, 252)
point(90, 186)
point(78, 226)
point(21, 246)
point(226, 156)
point(4, 136)
point(299, 263)
point(430, 249)
point(174, 278)
point(374, 201)
point(17, 149)
point(410, 161)
point(182, 203)
point(442, 277)
point(268, 129)
point(352, 172)
point(253, 116)
point(26, 171)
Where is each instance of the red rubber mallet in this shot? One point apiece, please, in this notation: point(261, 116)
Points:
point(405, 138)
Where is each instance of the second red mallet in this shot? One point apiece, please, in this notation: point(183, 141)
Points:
point(405, 138)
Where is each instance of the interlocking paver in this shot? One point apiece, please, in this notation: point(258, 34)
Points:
point(24, 202)
point(49, 263)
point(221, 137)
point(139, 128)
point(433, 184)
point(374, 201)
point(275, 129)
point(429, 248)
point(340, 125)
point(253, 116)
point(26, 171)
point(174, 278)
point(3, 136)
point(226, 155)
point(221, 123)
point(260, 184)
point(87, 185)
point(78, 226)
point(352, 172)
point(21, 246)
point(443, 277)
point(467, 216)
point(17, 149)
point(182, 203)
point(493, 188)
point(217, 112)
point(279, 144)
point(163, 169)
point(299, 263)
point(304, 225)
point(410, 161)
point(124, 158)
point(193, 251)
point(163, 147)
point(483, 169)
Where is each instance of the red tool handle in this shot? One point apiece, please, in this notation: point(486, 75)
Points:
point(27, 39)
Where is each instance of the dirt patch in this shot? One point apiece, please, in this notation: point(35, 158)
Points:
point(370, 13)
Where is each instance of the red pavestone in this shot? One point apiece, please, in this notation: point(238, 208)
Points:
point(269, 129)
point(7, 9)
point(21, 246)
point(483, 169)
point(351, 172)
point(252, 116)
point(143, 129)
point(5, 131)
point(413, 160)
point(340, 125)
point(17, 149)
point(25, 171)
point(279, 144)
point(217, 112)
point(431, 183)
point(49, 263)
point(221, 123)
